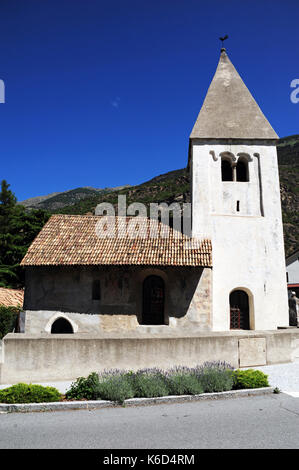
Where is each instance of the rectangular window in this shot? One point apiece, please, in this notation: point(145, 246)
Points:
point(96, 290)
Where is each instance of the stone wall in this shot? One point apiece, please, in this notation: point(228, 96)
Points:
point(55, 291)
point(32, 358)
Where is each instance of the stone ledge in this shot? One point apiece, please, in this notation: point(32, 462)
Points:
point(97, 404)
point(152, 332)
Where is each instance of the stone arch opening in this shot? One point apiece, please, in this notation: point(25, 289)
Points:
point(226, 170)
point(239, 310)
point(153, 292)
point(242, 170)
point(61, 326)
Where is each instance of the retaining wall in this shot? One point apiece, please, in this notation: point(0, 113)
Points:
point(32, 358)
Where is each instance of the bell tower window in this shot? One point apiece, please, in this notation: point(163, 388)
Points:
point(226, 170)
point(242, 170)
point(233, 169)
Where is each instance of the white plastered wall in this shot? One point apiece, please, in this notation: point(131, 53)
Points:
point(293, 271)
point(248, 246)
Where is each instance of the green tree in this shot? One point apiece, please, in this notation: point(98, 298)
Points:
point(7, 199)
point(18, 228)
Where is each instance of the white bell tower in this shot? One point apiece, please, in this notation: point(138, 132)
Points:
point(236, 203)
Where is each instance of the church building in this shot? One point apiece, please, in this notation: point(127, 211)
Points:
point(232, 275)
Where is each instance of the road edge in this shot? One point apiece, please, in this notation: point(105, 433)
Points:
point(98, 404)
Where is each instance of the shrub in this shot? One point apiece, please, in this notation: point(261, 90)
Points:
point(84, 388)
point(116, 388)
point(249, 378)
point(24, 393)
point(8, 317)
point(148, 383)
point(181, 382)
point(215, 376)
point(111, 385)
point(117, 385)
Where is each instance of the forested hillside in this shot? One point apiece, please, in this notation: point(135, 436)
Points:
point(20, 225)
point(175, 187)
point(288, 161)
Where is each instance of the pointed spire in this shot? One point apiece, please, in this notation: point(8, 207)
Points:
point(229, 110)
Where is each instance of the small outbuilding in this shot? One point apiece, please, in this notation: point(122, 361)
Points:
point(78, 282)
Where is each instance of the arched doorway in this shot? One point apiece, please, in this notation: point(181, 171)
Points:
point(153, 301)
point(62, 326)
point(239, 310)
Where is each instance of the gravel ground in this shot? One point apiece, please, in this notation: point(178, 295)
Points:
point(283, 376)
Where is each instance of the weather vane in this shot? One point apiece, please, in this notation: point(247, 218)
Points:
point(223, 39)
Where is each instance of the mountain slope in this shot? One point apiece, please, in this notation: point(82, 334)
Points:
point(174, 186)
point(288, 161)
point(59, 200)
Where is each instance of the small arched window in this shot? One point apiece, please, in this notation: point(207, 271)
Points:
point(62, 326)
point(242, 170)
point(226, 170)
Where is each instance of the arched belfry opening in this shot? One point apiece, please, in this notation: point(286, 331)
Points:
point(226, 170)
point(62, 326)
point(153, 301)
point(242, 170)
point(239, 310)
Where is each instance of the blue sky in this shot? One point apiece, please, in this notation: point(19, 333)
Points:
point(105, 93)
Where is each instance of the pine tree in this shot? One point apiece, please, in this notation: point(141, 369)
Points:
point(18, 228)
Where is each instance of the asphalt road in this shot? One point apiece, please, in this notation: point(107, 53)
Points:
point(262, 422)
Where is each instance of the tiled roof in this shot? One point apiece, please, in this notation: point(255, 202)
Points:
point(11, 297)
point(72, 240)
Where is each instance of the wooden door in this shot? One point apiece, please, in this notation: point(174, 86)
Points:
point(239, 310)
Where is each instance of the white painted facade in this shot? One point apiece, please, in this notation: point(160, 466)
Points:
point(293, 268)
point(248, 245)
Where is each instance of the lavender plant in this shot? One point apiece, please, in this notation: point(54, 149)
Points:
point(118, 385)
